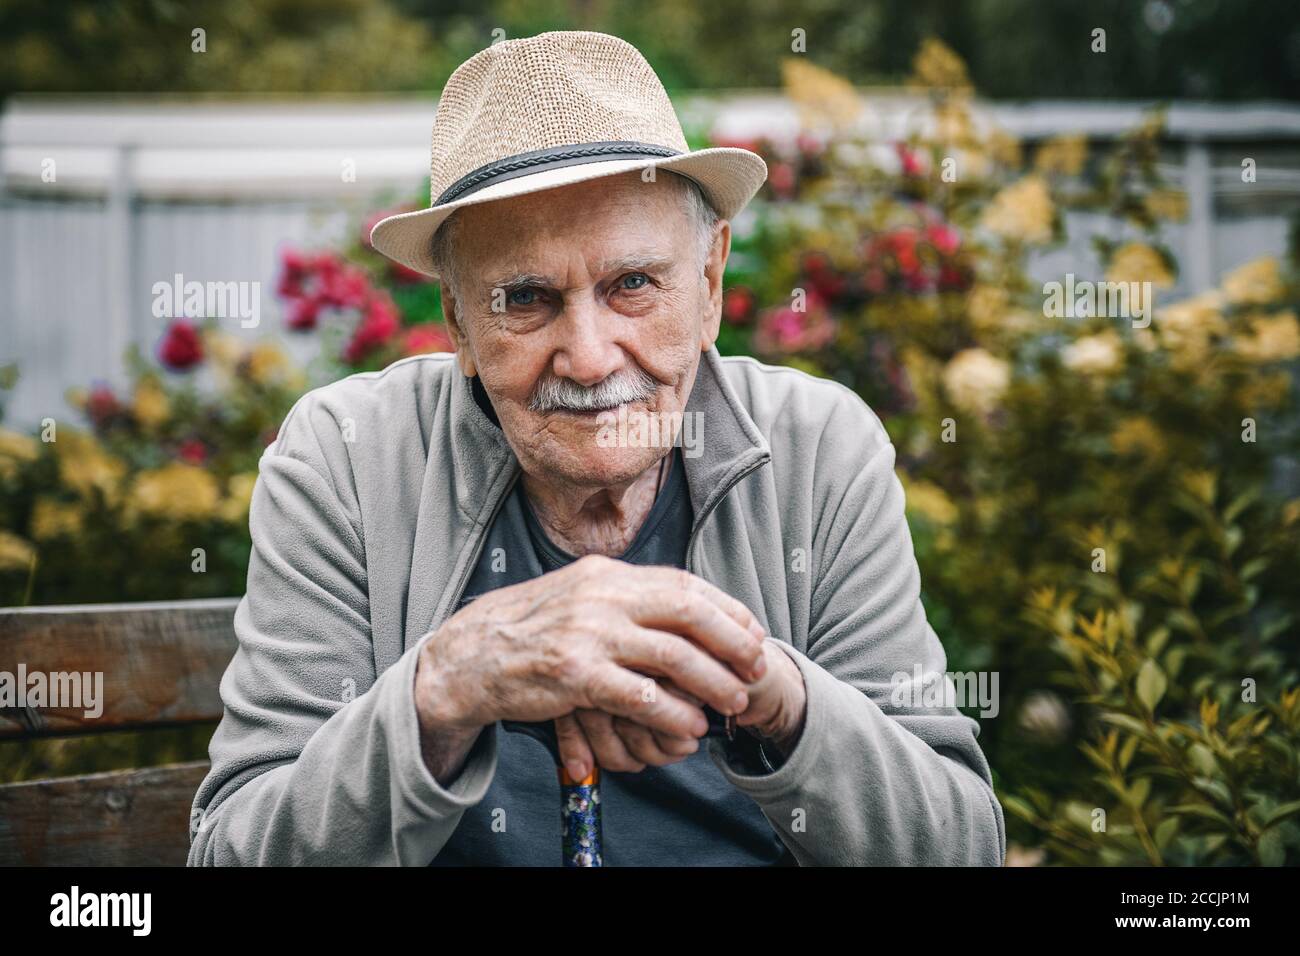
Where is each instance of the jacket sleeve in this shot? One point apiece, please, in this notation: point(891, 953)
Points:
point(317, 758)
point(873, 779)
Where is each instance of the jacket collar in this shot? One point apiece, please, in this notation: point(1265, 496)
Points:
point(728, 442)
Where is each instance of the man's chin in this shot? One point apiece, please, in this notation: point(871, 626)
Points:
point(590, 465)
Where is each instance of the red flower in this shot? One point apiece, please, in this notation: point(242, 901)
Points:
point(782, 180)
point(192, 451)
point(405, 274)
point(378, 326)
point(102, 405)
point(738, 305)
point(181, 347)
point(910, 161)
point(303, 315)
point(343, 286)
point(294, 268)
point(427, 337)
point(943, 237)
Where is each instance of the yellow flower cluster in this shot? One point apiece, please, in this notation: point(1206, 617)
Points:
point(975, 380)
point(1064, 154)
point(1255, 283)
point(239, 494)
point(936, 66)
point(176, 491)
point(820, 96)
point(1021, 211)
point(149, 405)
point(1273, 338)
point(52, 518)
point(1166, 204)
point(1094, 354)
point(16, 554)
point(87, 468)
point(1138, 262)
point(16, 450)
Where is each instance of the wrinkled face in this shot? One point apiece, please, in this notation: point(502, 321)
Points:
point(580, 304)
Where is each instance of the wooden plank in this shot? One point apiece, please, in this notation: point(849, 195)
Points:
point(161, 662)
point(123, 818)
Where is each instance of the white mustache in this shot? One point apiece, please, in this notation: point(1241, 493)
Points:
point(555, 394)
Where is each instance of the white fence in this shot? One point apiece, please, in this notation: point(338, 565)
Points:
point(142, 191)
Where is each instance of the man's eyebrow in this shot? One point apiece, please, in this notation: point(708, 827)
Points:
point(634, 262)
point(514, 281)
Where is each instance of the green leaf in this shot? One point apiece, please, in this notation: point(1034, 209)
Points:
point(1151, 684)
point(1131, 724)
point(1019, 807)
point(1203, 812)
point(1166, 831)
point(1283, 812)
point(1270, 849)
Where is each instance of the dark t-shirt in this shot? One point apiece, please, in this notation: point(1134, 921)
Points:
point(681, 815)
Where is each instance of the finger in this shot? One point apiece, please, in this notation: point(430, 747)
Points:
point(642, 743)
point(609, 748)
point(575, 751)
point(684, 663)
point(686, 610)
point(625, 693)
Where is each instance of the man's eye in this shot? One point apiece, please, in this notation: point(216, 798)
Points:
point(640, 278)
point(523, 297)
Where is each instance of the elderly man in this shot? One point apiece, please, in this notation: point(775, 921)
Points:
point(462, 546)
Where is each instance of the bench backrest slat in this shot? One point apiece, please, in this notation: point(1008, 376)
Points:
point(162, 665)
point(161, 662)
point(123, 818)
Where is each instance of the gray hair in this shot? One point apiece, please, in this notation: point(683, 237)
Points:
point(698, 210)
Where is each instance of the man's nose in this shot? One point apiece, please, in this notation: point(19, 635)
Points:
point(587, 352)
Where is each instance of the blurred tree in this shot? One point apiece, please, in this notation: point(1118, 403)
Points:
point(1015, 48)
point(262, 46)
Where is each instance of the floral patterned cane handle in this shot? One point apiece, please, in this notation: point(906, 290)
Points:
point(580, 816)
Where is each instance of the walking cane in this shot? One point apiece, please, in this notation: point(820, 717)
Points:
point(581, 839)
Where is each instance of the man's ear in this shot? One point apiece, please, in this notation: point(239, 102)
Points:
point(449, 316)
point(715, 264)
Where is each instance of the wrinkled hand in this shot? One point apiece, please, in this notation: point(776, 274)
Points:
point(598, 635)
point(776, 711)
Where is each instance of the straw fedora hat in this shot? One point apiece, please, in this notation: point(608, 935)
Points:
point(549, 110)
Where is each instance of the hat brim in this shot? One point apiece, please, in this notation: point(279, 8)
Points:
point(729, 176)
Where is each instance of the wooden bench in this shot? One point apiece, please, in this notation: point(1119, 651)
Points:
point(162, 665)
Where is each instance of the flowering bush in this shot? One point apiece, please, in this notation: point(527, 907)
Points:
point(1104, 513)
point(1104, 507)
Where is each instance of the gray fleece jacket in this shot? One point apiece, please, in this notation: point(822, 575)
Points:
point(368, 516)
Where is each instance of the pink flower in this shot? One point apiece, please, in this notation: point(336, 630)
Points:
point(784, 330)
point(427, 337)
point(181, 347)
point(192, 451)
point(911, 162)
point(379, 324)
point(943, 237)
